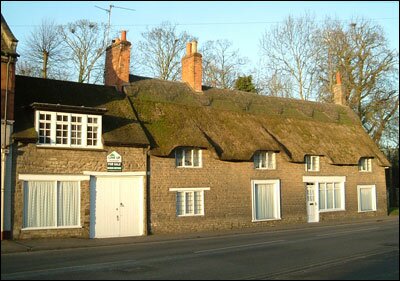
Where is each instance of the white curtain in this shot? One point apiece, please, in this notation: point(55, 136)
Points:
point(67, 203)
point(39, 204)
point(264, 200)
point(366, 199)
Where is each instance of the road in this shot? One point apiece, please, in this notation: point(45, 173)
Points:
point(361, 251)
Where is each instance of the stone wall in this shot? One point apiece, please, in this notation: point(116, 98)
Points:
point(228, 203)
point(32, 159)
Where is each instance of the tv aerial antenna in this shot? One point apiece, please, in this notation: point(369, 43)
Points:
point(109, 15)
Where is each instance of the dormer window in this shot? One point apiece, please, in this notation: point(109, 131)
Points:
point(365, 164)
point(312, 163)
point(264, 160)
point(68, 129)
point(188, 157)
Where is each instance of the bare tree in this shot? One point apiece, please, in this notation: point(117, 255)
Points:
point(25, 68)
point(369, 72)
point(276, 85)
point(43, 47)
point(289, 52)
point(160, 51)
point(86, 42)
point(221, 64)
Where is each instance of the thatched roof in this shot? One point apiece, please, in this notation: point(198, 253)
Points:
point(120, 126)
point(236, 124)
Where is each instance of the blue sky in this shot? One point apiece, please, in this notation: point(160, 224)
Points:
point(241, 22)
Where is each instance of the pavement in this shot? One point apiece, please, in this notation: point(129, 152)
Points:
point(50, 244)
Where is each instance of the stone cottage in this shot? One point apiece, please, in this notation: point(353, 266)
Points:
point(142, 155)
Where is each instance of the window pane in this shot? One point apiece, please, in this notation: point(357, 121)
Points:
point(329, 196)
point(67, 204)
point(338, 196)
point(366, 199)
point(196, 157)
point(180, 204)
point(39, 204)
point(271, 160)
point(257, 160)
point(188, 157)
point(189, 202)
point(322, 196)
point(179, 157)
point(263, 159)
point(198, 202)
point(264, 201)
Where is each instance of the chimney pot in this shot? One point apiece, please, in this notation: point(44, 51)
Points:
point(338, 78)
point(123, 35)
point(188, 49)
point(194, 47)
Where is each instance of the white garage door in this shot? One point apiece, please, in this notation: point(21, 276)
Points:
point(116, 206)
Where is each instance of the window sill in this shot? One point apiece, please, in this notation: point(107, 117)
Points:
point(50, 228)
point(186, 216)
point(367, 211)
point(274, 219)
point(100, 148)
point(333, 210)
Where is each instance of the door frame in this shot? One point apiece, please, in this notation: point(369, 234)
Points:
point(314, 202)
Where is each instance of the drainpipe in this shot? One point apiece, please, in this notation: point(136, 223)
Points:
point(3, 148)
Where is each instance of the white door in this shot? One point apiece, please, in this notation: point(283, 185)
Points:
point(312, 202)
point(116, 206)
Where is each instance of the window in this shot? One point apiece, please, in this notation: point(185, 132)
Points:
point(51, 204)
point(68, 129)
point(312, 163)
point(188, 157)
point(366, 198)
point(365, 165)
point(189, 202)
point(266, 200)
point(331, 196)
point(264, 160)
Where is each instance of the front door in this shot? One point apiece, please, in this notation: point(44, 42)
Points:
point(312, 203)
point(116, 207)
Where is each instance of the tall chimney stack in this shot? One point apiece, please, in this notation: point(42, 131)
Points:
point(116, 72)
point(339, 91)
point(192, 68)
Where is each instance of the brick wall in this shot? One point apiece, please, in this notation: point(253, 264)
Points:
point(228, 203)
point(11, 89)
point(117, 64)
point(192, 67)
point(35, 160)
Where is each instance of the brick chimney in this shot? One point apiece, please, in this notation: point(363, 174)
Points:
point(116, 72)
point(339, 91)
point(192, 68)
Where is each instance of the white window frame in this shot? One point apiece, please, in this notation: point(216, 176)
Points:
point(373, 202)
point(192, 149)
point(189, 190)
point(55, 179)
point(317, 180)
point(277, 199)
point(84, 126)
point(309, 162)
point(270, 158)
point(365, 165)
